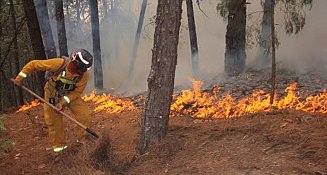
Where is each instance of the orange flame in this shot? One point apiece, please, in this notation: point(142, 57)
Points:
point(29, 105)
point(204, 104)
point(109, 103)
point(209, 104)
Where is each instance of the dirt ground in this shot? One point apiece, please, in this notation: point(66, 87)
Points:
point(286, 142)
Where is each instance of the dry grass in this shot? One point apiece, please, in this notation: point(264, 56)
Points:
point(87, 159)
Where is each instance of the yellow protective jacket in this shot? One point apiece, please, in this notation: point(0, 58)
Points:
point(54, 65)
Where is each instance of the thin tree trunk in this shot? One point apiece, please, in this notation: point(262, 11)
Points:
point(98, 75)
point(8, 95)
point(116, 42)
point(193, 38)
point(105, 9)
point(154, 124)
point(15, 62)
point(273, 52)
point(137, 38)
point(1, 78)
point(78, 17)
point(235, 55)
point(67, 12)
point(264, 54)
point(45, 26)
point(36, 39)
point(61, 30)
point(78, 12)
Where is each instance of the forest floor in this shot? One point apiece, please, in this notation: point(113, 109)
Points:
point(286, 142)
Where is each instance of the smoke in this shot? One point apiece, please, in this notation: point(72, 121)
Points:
point(210, 31)
point(118, 33)
point(307, 51)
point(303, 52)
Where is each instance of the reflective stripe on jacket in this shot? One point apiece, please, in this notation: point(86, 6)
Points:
point(53, 65)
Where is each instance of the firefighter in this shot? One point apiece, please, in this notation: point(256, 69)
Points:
point(66, 79)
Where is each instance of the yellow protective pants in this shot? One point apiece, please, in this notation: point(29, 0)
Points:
point(54, 119)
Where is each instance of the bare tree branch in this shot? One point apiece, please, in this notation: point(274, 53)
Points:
point(198, 3)
point(12, 41)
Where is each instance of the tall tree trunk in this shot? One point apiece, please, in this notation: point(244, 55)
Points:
point(273, 53)
point(154, 123)
point(137, 38)
point(45, 26)
point(78, 17)
point(78, 11)
point(98, 75)
point(193, 38)
point(264, 54)
point(61, 30)
point(6, 87)
point(67, 12)
point(15, 62)
point(114, 50)
point(105, 9)
point(235, 55)
point(36, 39)
point(1, 71)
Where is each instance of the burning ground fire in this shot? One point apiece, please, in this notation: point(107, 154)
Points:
point(28, 106)
point(106, 102)
point(209, 104)
point(203, 104)
point(109, 103)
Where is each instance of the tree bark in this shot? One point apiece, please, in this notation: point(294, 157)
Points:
point(15, 61)
point(273, 53)
point(105, 8)
point(61, 30)
point(67, 12)
point(264, 52)
point(36, 39)
point(137, 39)
point(2, 77)
point(98, 75)
point(1, 71)
point(193, 38)
point(45, 26)
point(78, 12)
point(78, 17)
point(155, 119)
point(235, 55)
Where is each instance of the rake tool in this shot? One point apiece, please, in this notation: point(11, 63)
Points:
point(61, 112)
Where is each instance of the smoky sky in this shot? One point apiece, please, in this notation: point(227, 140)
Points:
point(303, 52)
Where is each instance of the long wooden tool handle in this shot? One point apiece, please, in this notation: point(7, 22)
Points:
point(61, 112)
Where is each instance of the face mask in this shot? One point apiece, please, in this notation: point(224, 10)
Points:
point(80, 64)
point(78, 67)
point(72, 67)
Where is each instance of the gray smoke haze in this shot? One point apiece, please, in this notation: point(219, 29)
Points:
point(304, 52)
point(307, 51)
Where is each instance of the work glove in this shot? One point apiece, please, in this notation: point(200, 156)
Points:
point(59, 106)
point(18, 82)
